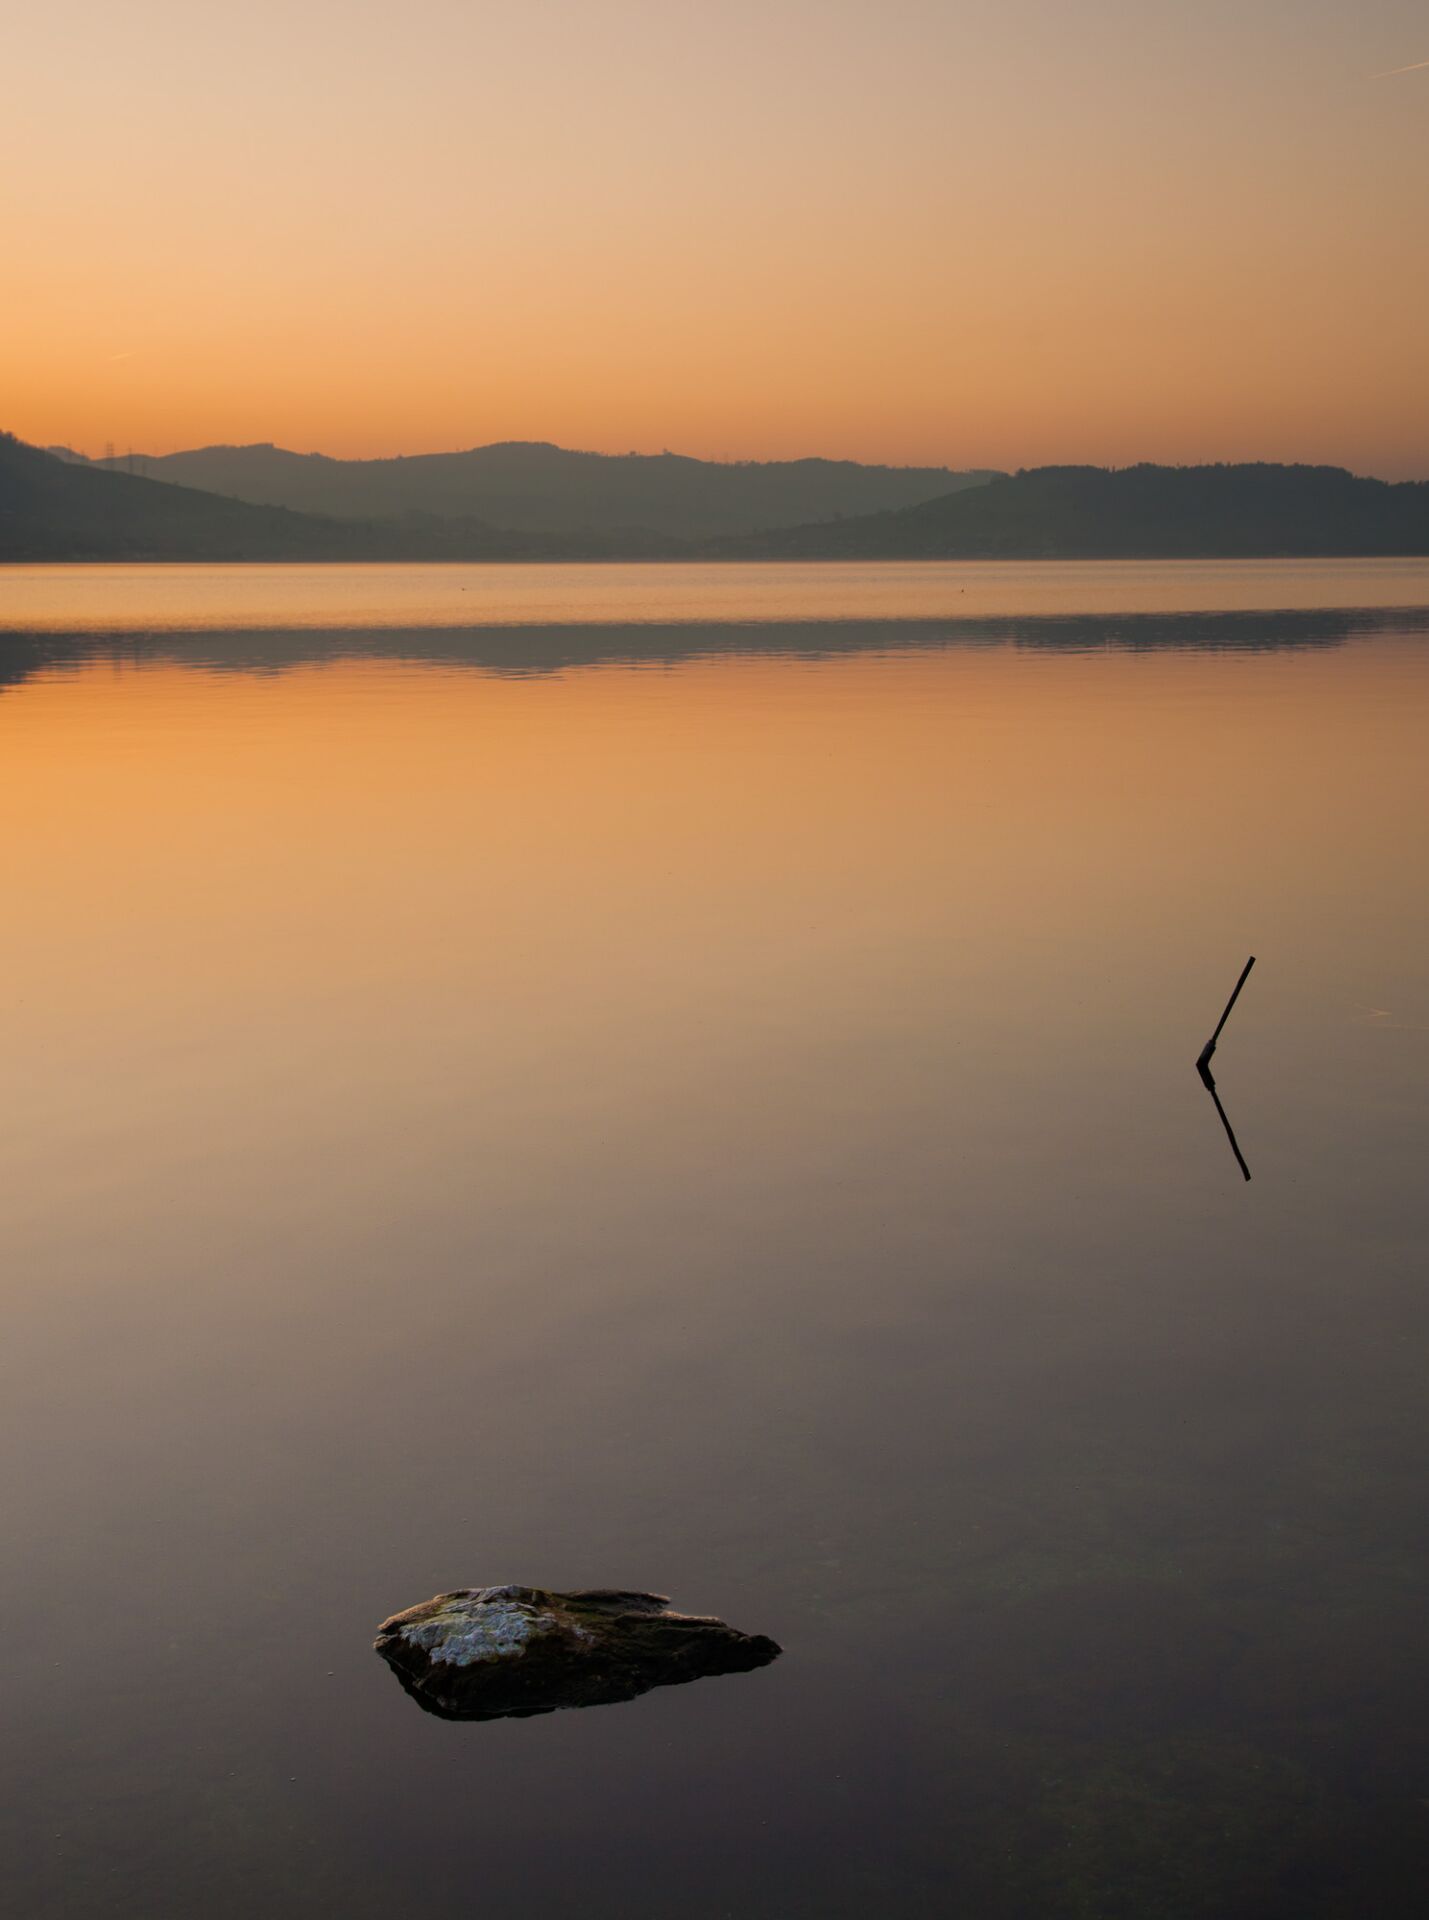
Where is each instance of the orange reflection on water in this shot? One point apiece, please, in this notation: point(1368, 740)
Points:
point(359, 874)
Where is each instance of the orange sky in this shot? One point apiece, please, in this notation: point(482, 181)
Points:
point(982, 232)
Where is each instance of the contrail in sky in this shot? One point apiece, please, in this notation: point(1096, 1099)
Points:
point(1390, 72)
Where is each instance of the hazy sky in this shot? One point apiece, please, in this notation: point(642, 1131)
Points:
point(986, 232)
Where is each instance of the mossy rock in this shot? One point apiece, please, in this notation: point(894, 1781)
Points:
point(490, 1653)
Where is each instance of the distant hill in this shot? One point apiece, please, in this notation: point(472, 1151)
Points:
point(53, 508)
point(535, 488)
point(1145, 512)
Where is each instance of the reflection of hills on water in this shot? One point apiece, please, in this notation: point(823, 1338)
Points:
point(550, 649)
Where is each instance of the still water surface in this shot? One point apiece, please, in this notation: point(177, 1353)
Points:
point(701, 1097)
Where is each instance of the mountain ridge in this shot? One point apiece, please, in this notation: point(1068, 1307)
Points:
point(534, 486)
point(1224, 510)
point(57, 509)
point(54, 509)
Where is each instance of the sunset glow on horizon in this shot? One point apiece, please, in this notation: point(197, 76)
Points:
point(964, 234)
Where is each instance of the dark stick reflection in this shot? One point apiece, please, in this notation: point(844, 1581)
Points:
point(1210, 1087)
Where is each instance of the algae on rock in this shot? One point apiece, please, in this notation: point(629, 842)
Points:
point(489, 1653)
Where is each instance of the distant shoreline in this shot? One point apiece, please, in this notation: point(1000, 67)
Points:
point(1286, 557)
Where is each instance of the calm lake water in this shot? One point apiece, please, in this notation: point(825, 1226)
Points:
point(683, 1078)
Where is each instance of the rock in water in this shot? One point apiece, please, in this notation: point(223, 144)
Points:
point(486, 1653)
